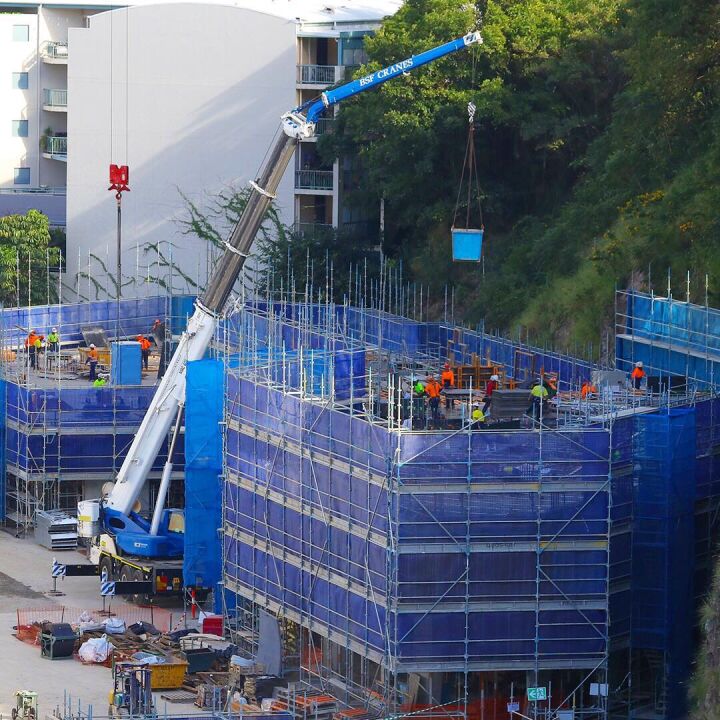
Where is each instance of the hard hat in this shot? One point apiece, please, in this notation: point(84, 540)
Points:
point(54, 330)
point(92, 345)
point(639, 364)
point(495, 378)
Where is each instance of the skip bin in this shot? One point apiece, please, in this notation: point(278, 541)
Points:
point(168, 675)
point(199, 659)
point(467, 244)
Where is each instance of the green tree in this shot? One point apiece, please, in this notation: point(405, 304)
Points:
point(542, 81)
point(26, 258)
point(284, 258)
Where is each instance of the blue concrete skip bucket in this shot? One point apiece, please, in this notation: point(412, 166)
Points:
point(467, 244)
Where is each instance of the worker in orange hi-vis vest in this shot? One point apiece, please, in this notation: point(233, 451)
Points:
point(637, 375)
point(447, 380)
point(432, 392)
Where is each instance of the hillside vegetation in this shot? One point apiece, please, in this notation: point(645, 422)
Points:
point(598, 147)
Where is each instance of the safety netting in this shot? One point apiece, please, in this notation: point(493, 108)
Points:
point(203, 468)
point(66, 430)
point(493, 534)
point(136, 316)
point(663, 539)
point(670, 337)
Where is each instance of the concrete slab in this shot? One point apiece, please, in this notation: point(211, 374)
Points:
point(24, 582)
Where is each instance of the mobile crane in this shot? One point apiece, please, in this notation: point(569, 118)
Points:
point(123, 543)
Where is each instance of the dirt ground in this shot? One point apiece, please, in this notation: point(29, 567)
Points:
point(25, 579)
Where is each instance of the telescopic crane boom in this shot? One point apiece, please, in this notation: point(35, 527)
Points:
point(170, 394)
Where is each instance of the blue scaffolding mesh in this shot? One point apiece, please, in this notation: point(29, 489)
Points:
point(314, 498)
point(136, 316)
point(669, 336)
point(203, 467)
point(3, 423)
point(663, 538)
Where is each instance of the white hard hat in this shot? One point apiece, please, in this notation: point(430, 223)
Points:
point(638, 363)
point(54, 329)
point(92, 345)
point(495, 378)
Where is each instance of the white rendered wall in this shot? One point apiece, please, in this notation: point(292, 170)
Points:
point(194, 106)
point(18, 104)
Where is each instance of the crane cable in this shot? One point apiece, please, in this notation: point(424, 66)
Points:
point(469, 166)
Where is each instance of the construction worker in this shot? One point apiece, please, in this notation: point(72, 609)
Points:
point(587, 390)
point(538, 397)
point(419, 388)
point(159, 333)
point(477, 417)
point(447, 380)
point(92, 360)
point(99, 382)
point(432, 391)
point(33, 343)
point(550, 384)
point(637, 375)
point(490, 387)
point(53, 341)
point(145, 346)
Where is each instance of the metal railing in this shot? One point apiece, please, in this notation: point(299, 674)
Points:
point(314, 179)
point(55, 98)
point(319, 74)
point(324, 125)
point(55, 50)
point(56, 145)
point(312, 229)
point(59, 190)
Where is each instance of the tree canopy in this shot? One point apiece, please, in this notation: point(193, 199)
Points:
point(27, 259)
point(596, 134)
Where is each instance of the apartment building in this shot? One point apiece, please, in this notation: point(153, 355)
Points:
point(188, 95)
point(33, 106)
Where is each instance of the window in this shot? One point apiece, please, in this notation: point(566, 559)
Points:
point(353, 52)
point(21, 33)
point(20, 81)
point(19, 128)
point(22, 176)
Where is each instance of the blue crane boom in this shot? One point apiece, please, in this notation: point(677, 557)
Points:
point(312, 111)
point(121, 527)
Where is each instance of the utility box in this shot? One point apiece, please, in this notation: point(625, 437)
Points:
point(125, 363)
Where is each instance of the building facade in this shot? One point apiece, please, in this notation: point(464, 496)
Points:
point(190, 112)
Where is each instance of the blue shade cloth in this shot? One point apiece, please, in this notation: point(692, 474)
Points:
point(670, 337)
point(203, 467)
point(282, 545)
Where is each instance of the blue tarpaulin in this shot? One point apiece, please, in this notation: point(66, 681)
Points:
point(203, 467)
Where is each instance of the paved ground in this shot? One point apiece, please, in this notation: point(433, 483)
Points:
point(24, 582)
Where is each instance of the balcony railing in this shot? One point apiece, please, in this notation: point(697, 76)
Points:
point(324, 125)
point(48, 190)
point(55, 98)
point(55, 51)
point(56, 146)
point(314, 179)
point(313, 229)
point(319, 74)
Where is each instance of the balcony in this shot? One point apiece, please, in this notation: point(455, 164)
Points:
point(313, 230)
point(55, 53)
point(55, 100)
point(55, 148)
point(320, 75)
point(323, 126)
point(313, 179)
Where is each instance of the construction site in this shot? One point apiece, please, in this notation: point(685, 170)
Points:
point(306, 501)
point(543, 564)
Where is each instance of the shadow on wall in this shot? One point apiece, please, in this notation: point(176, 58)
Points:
point(239, 121)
